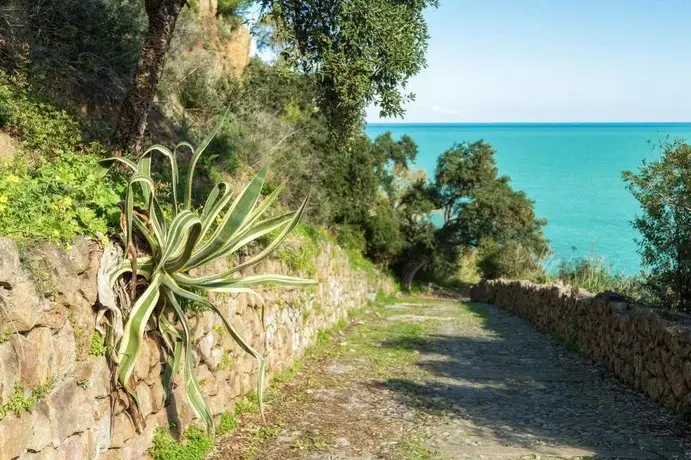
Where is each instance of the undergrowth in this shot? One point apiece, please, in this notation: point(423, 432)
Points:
point(19, 402)
point(194, 445)
point(53, 187)
point(98, 347)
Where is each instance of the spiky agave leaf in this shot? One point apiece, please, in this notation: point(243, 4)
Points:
point(223, 226)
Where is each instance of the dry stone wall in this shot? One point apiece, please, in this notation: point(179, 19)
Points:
point(56, 400)
point(646, 348)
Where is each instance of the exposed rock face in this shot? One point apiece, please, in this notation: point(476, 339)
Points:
point(52, 321)
point(235, 55)
point(19, 300)
point(646, 348)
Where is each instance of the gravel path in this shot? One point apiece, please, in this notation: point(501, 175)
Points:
point(432, 378)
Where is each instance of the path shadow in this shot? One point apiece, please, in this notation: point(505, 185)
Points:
point(520, 388)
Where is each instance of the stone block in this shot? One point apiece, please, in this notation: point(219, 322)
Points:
point(77, 447)
point(65, 349)
point(71, 409)
point(9, 370)
point(15, 434)
point(142, 361)
point(158, 396)
point(44, 432)
point(36, 356)
point(53, 316)
point(123, 430)
point(144, 399)
point(79, 254)
point(19, 297)
point(101, 433)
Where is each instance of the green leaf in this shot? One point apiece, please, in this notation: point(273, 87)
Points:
point(194, 392)
point(232, 221)
point(133, 334)
point(178, 291)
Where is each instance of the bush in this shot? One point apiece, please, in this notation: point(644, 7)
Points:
point(510, 260)
point(54, 188)
point(350, 237)
point(594, 275)
point(663, 189)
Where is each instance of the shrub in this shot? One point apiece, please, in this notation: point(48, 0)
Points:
point(179, 240)
point(56, 200)
point(594, 275)
point(510, 260)
point(54, 187)
point(663, 189)
point(351, 237)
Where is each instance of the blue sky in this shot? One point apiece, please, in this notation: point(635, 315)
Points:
point(554, 61)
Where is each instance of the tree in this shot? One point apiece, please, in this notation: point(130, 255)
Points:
point(421, 236)
point(477, 206)
point(663, 189)
point(361, 51)
point(129, 129)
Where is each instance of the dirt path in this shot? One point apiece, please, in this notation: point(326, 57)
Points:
point(426, 379)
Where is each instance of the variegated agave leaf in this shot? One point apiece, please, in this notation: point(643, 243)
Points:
point(225, 225)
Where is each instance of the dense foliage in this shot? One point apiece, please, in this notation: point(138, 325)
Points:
point(360, 51)
point(663, 188)
point(53, 186)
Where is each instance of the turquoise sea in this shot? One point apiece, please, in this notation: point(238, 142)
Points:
point(571, 171)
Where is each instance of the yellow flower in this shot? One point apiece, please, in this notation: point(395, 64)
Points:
point(12, 179)
point(3, 199)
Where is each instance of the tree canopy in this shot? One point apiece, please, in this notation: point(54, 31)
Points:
point(361, 52)
point(663, 188)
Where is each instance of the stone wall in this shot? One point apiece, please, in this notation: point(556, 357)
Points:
point(56, 400)
point(646, 348)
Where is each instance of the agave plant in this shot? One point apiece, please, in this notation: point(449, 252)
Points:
point(179, 240)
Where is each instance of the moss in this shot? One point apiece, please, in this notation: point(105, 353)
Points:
point(19, 402)
point(194, 445)
point(98, 347)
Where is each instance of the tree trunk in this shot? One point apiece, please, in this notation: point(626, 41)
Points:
point(410, 269)
point(129, 129)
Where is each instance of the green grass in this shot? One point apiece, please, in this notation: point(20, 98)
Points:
point(257, 439)
point(310, 443)
point(194, 445)
point(227, 423)
point(594, 275)
point(288, 373)
point(412, 449)
point(250, 403)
